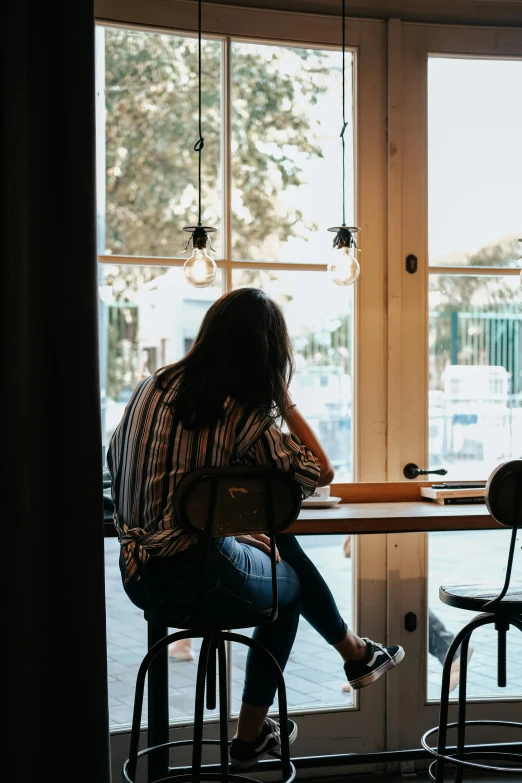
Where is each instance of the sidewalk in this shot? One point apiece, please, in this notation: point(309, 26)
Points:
point(314, 674)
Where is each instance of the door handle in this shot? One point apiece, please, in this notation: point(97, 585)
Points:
point(411, 471)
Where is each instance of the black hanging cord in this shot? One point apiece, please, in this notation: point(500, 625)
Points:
point(344, 113)
point(198, 146)
point(199, 234)
point(344, 236)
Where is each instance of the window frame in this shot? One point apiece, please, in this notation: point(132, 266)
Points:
point(367, 40)
point(408, 351)
point(410, 46)
point(391, 346)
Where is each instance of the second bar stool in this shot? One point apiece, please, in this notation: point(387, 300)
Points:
point(504, 501)
point(212, 502)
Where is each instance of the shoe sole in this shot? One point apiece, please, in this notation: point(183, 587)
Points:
point(373, 676)
point(252, 763)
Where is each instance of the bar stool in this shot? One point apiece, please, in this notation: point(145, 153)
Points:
point(503, 497)
point(213, 502)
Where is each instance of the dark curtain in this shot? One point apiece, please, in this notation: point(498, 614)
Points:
point(53, 608)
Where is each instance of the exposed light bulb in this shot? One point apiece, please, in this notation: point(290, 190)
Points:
point(343, 267)
point(200, 270)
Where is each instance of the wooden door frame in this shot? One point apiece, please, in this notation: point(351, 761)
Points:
point(409, 48)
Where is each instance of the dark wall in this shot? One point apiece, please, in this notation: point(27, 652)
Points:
point(54, 696)
point(491, 12)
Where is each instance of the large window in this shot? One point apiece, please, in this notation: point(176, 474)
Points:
point(461, 350)
point(475, 327)
point(274, 151)
point(474, 212)
point(402, 367)
point(281, 149)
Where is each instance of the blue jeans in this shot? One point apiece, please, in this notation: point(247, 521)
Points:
point(238, 583)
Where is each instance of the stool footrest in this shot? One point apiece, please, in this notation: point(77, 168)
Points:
point(158, 767)
point(458, 758)
point(212, 776)
point(187, 776)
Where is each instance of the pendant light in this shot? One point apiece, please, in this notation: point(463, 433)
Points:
point(343, 266)
point(200, 269)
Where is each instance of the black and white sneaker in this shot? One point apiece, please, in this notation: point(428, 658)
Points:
point(247, 754)
point(379, 660)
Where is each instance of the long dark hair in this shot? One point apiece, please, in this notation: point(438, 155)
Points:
point(242, 351)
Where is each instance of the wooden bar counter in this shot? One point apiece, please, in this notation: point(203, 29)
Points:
point(393, 507)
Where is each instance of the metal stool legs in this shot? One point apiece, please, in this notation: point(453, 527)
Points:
point(223, 709)
point(287, 766)
point(158, 697)
point(458, 759)
point(463, 686)
point(158, 717)
point(213, 645)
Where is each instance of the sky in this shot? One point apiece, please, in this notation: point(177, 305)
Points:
point(474, 160)
point(475, 153)
point(320, 195)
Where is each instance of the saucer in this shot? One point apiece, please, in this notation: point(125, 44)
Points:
point(320, 502)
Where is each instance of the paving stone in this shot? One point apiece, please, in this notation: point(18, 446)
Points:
point(129, 678)
point(330, 698)
point(296, 699)
point(314, 676)
point(130, 658)
point(115, 667)
point(298, 684)
point(113, 702)
point(120, 689)
point(327, 667)
point(128, 702)
point(296, 669)
point(335, 685)
point(120, 716)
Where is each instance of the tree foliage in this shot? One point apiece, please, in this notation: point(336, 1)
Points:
point(485, 293)
point(152, 126)
point(478, 295)
point(151, 102)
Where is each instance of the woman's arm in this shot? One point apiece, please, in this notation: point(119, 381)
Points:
point(302, 430)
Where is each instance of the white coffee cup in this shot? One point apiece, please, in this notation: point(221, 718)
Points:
point(321, 493)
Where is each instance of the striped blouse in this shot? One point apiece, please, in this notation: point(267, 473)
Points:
point(149, 454)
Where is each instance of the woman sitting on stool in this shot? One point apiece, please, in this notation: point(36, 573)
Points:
point(218, 406)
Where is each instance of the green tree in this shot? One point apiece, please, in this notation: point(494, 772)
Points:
point(462, 292)
point(151, 101)
point(151, 127)
point(477, 294)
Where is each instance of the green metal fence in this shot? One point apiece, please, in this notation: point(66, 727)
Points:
point(477, 338)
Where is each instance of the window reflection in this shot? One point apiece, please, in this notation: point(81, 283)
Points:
point(470, 554)
point(319, 316)
point(475, 397)
point(149, 317)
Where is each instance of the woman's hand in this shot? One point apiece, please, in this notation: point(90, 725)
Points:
point(260, 541)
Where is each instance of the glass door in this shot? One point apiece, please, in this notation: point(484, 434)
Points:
point(461, 168)
point(272, 187)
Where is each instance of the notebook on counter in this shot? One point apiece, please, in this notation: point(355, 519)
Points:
point(455, 493)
